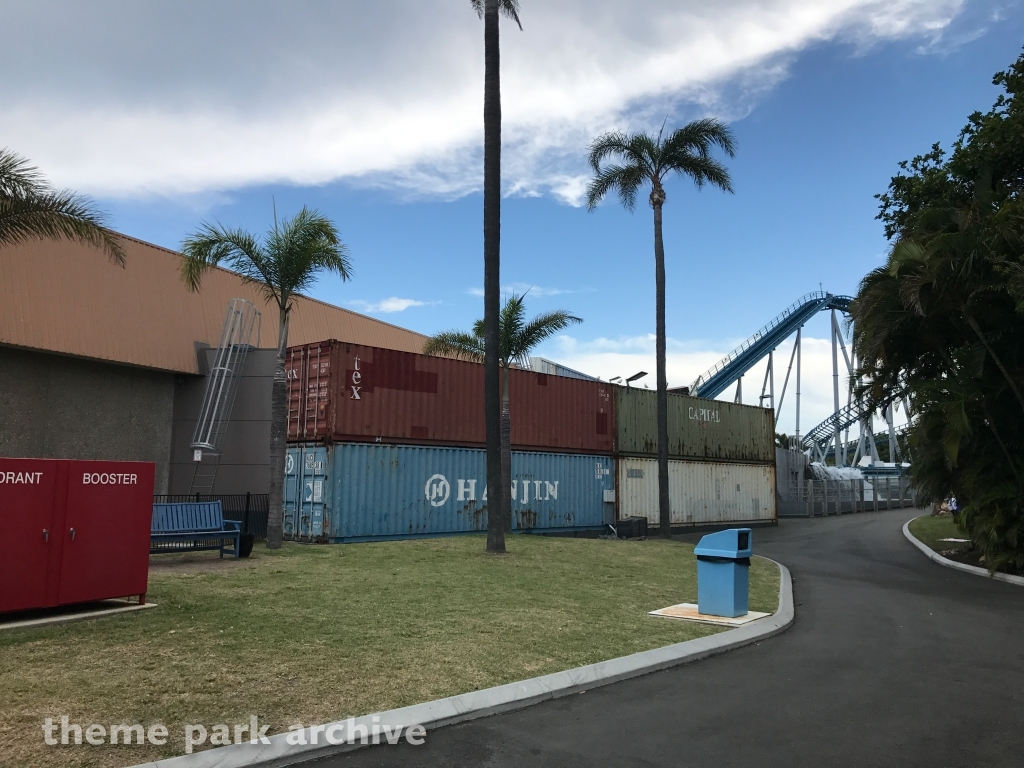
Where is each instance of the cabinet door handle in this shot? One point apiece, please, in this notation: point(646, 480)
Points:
point(72, 534)
point(46, 535)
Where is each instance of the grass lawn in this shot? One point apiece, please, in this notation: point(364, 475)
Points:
point(929, 529)
point(312, 634)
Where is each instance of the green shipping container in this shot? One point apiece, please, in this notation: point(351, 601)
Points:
point(697, 428)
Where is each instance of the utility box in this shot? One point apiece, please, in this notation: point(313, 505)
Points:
point(73, 531)
point(723, 572)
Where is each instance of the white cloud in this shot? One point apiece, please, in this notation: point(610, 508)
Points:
point(531, 289)
point(392, 304)
point(177, 98)
point(685, 361)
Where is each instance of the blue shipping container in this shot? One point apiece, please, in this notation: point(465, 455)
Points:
point(358, 491)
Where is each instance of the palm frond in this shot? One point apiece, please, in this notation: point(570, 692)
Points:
point(289, 261)
point(18, 178)
point(537, 330)
point(211, 245)
point(301, 248)
point(612, 144)
point(458, 344)
point(516, 337)
point(507, 8)
point(55, 215)
point(700, 136)
point(638, 156)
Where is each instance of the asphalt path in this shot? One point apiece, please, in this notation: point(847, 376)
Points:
point(893, 661)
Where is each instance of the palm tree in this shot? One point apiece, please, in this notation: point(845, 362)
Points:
point(646, 159)
point(287, 262)
point(31, 209)
point(517, 338)
point(489, 10)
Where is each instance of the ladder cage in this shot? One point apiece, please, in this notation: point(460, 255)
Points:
point(241, 320)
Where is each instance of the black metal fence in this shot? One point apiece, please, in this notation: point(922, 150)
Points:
point(250, 509)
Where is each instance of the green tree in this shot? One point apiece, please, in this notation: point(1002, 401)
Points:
point(30, 209)
point(517, 337)
point(489, 10)
point(640, 159)
point(288, 261)
point(941, 324)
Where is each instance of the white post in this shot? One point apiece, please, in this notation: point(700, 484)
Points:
point(771, 380)
point(799, 332)
point(893, 450)
point(835, 386)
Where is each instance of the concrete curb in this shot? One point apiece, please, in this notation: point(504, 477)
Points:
point(70, 617)
point(931, 554)
point(503, 698)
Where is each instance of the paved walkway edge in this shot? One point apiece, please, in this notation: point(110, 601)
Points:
point(933, 555)
point(503, 698)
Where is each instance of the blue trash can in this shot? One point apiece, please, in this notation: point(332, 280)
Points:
point(723, 572)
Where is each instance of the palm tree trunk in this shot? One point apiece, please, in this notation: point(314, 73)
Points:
point(664, 510)
point(506, 456)
point(278, 438)
point(492, 289)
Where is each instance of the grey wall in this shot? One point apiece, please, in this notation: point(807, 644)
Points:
point(245, 461)
point(58, 407)
point(790, 475)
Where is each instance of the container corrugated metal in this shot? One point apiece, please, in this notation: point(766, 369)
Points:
point(340, 392)
point(360, 491)
point(700, 493)
point(697, 428)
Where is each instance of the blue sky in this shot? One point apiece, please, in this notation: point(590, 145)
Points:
point(822, 114)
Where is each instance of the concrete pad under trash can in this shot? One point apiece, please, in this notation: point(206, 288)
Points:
point(689, 612)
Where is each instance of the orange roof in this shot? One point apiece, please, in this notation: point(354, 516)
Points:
point(63, 297)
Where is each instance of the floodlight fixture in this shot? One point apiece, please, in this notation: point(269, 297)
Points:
point(636, 376)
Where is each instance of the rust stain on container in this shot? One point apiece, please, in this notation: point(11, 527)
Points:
point(349, 392)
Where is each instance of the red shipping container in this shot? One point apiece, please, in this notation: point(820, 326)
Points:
point(348, 392)
point(73, 531)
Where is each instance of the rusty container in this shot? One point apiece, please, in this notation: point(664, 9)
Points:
point(340, 392)
point(697, 428)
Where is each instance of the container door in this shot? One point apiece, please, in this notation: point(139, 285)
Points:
point(292, 475)
point(314, 492)
point(106, 530)
point(31, 505)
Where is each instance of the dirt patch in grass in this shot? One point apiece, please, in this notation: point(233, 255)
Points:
point(311, 634)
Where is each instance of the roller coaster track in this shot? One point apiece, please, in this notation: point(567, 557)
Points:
point(729, 369)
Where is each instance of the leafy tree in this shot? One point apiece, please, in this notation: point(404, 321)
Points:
point(642, 159)
point(30, 209)
point(489, 11)
point(287, 262)
point(516, 339)
point(941, 324)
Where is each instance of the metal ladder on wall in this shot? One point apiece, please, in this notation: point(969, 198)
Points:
point(241, 320)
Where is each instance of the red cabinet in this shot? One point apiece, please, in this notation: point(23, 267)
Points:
point(73, 531)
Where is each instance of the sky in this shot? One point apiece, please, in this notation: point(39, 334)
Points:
point(170, 114)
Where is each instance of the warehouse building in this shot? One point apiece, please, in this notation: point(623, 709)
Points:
point(103, 362)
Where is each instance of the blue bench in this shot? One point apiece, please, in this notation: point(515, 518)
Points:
point(193, 526)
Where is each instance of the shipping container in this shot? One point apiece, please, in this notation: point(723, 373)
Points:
point(360, 491)
point(700, 493)
point(697, 428)
point(340, 392)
